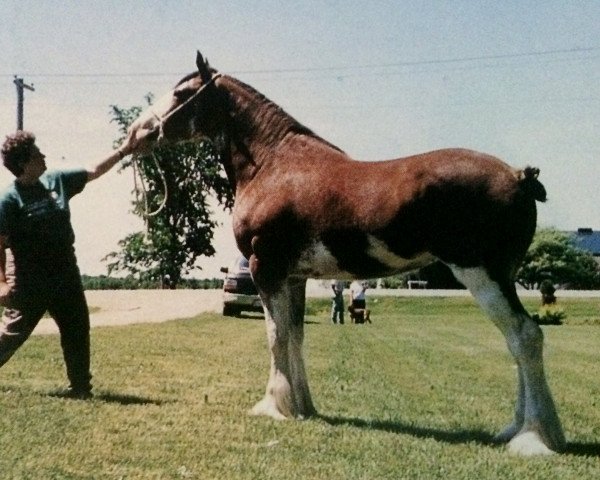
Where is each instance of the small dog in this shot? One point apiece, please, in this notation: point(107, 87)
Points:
point(359, 315)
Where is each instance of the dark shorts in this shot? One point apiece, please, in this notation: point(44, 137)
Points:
point(359, 304)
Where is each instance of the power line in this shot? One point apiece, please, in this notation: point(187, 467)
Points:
point(428, 62)
point(410, 63)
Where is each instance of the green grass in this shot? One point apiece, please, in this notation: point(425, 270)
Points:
point(416, 395)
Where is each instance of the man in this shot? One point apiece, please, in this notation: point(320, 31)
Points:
point(41, 273)
point(337, 302)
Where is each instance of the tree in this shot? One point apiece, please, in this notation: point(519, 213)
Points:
point(554, 256)
point(182, 177)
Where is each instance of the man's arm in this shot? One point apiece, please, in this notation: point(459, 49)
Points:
point(4, 286)
point(106, 164)
point(113, 158)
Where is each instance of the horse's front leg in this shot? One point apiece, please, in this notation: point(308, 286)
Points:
point(287, 393)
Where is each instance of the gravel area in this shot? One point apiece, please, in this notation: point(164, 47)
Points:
point(121, 307)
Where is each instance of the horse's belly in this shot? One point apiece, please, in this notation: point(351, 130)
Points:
point(318, 262)
point(376, 260)
point(379, 251)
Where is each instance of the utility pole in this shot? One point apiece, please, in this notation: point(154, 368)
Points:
point(21, 86)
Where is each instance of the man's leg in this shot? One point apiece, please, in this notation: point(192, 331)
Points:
point(17, 324)
point(334, 311)
point(70, 311)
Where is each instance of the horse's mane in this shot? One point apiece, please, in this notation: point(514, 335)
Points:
point(189, 76)
point(274, 118)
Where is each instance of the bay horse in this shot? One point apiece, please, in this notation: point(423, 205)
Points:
point(298, 214)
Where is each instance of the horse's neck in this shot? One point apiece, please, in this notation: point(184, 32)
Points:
point(259, 128)
point(258, 120)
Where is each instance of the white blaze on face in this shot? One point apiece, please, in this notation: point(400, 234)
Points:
point(148, 120)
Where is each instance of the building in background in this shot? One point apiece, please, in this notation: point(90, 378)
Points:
point(588, 240)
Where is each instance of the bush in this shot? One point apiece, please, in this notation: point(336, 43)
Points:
point(549, 315)
point(104, 282)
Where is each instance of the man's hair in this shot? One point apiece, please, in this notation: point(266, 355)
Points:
point(17, 150)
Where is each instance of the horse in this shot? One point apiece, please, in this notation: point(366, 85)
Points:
point(299, 215)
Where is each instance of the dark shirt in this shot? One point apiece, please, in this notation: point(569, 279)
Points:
point(37, 221)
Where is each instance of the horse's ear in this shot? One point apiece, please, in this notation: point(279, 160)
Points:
point(203, 67)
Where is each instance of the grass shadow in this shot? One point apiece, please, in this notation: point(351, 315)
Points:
point(583, 449)
point(127, 399)
point(110, 398)
point(451, 437)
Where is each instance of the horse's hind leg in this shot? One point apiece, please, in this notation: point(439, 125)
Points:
point(287, 393)
point(536, 428)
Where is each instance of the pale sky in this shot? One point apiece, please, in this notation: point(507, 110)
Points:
point(380, 79)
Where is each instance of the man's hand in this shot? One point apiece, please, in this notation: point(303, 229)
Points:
point(139, 139)
point(5, 294)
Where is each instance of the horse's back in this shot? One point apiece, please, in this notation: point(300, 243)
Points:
point(464, 207)
point(458, 166)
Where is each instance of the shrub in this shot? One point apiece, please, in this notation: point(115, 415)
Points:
point(549, 315)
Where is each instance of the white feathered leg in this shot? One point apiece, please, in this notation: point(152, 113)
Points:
point(287, 393)
point(536, 428)
point(511, 430)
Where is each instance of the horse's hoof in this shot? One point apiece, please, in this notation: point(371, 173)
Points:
point(528, 444)
point(268, 408)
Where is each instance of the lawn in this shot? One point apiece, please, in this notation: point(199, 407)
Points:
point(418, 394)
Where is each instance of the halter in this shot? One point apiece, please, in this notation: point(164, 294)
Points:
point(162, 120)
point(137, 173)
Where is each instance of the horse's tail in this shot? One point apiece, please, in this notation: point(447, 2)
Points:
point(528, 180)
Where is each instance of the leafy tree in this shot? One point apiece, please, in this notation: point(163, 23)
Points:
point(554, 256)
point(182, 177)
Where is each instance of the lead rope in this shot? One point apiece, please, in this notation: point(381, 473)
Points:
point(138, 176)
point(137, 172)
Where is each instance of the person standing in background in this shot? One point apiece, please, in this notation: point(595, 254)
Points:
point(358, 299)
point(337, 302)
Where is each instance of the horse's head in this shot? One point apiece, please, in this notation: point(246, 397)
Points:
point(188, 111)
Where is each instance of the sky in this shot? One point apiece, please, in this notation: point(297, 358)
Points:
point(380, 79)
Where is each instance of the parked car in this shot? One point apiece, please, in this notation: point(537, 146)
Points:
point(239, 291)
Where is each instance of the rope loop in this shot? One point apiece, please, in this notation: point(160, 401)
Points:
point(139, 176)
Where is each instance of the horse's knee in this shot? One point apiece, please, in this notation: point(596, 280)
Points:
point(527, 340)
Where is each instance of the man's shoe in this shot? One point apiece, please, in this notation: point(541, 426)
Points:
point(74, 394)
